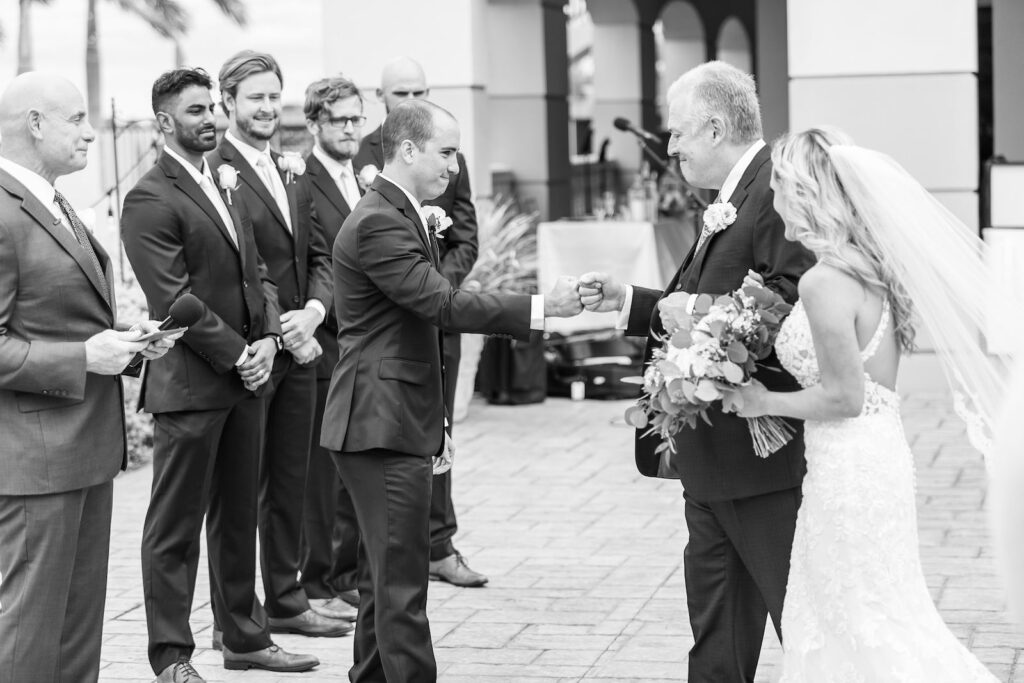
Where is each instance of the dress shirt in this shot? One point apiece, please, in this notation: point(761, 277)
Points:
point(536, 301)
point(342, 174)
point(39, 188)
point(728, 187)
point(204, 179)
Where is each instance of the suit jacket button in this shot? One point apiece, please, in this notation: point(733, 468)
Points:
point(245, 283)
point(295, 299)
point(245, 329)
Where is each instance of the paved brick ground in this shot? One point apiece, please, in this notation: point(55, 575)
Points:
point(584, 557)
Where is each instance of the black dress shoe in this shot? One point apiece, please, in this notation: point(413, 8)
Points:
point(270, 658)
point(351, 597)
point(455, 571)
point(312, 624)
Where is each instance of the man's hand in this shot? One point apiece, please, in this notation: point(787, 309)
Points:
point(255, 371)
point(110, 351)
point(298, 326)
point(308, 352)
point(444, 461)
point(601, 293)
point(563, 301)
point(158, 347)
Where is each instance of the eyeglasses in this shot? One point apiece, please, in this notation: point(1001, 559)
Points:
point(342, 121)
point(415, 94)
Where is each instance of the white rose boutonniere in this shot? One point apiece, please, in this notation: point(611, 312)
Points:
point(227, 178)
point(718, 217)
point(292, 164)
point(437, 220)
point(366, 175)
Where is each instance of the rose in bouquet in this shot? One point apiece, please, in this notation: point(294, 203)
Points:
point(706, 356)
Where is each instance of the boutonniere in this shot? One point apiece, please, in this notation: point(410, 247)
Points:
point(437, 220)
point(227, 177)
point(366, 175)
point(292, 164)
point(718, 217)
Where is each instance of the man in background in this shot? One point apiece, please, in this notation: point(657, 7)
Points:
point(330, 535)
point(404, 79)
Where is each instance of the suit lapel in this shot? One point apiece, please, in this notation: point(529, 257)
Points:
point(187, 185)
point(397, 198)
point(293, 204)
point(248, 174)
point(326, 185)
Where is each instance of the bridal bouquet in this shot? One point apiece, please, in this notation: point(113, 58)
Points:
point(705, 356)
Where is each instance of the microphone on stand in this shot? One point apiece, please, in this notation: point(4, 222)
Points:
point(184, 312)
point(624, 124)
point(646, 140)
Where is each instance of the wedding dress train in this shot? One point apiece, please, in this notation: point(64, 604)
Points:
point(857, 608)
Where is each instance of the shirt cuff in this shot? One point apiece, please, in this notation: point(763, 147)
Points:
point(245, 354)
point(627, 306)
point(317, 305)
point(537, 312)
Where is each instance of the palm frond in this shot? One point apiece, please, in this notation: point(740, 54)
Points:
point(508, 250)
point(234, 10)
point(166, 17)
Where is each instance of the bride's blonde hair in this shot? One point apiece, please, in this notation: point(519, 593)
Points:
point(819, 214)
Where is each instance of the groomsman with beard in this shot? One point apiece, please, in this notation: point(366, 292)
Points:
point(384, 422)
point(185, 230)
point(291, 242)
point(404, 79)
point(334, 117)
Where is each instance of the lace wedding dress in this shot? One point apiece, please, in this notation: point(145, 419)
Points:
point(857, 609)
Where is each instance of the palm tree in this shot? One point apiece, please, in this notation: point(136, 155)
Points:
point(167, 17)
point(25, 34)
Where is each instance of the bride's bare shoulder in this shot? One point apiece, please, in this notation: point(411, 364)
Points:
point(829, 285)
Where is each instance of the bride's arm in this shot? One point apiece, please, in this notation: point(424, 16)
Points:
point(831, 299)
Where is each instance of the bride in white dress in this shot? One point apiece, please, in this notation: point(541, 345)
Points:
point(857, 608)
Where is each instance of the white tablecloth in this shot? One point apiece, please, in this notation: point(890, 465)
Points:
point(636, 253)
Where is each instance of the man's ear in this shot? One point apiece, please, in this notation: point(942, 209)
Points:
point(34, 120)
point(164, 123)
point(380, 95)
point(227, 103)
point(719, 130)
point(313, 127)
point(405, 150)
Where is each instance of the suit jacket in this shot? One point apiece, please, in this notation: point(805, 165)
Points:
point(718, 462)
point(459, 246)
point(63, 428)
point(331, 210)
point(298, 261)
point(177, 243)
point(391, 300)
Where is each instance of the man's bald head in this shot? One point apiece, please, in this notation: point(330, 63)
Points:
point(44, 125)
point(402, 79)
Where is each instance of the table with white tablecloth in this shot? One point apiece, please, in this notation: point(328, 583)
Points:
point(634, 252)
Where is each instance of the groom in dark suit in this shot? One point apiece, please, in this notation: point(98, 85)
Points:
point(403, 79)
point(740, 509)
point(385, 417)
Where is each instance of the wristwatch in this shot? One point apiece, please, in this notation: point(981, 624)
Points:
point(278, 339)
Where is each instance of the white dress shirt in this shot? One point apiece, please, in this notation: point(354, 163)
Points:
point(342, 174)
point(536, 301)
point(204, 179)
point(728, 187)
point(39, 188)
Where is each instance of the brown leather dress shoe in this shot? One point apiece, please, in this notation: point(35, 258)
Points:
point(180, 672)
point(309, 623)
point(455, 571)
point(351, 597)
point(334, 608)
point(271, 658)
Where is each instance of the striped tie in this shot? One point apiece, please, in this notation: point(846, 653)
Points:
point(78, 228)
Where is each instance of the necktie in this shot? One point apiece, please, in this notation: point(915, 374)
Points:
point(348, 186)
point(270, 178)
point(78, 228)
point(218, 203)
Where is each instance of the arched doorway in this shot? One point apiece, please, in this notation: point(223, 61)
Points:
point(733, 45)
point(679, 44)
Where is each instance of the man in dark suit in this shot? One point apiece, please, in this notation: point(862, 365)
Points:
point(385, 417)
point(60, 393)
point(404, 79)
point(740, 509)
point(291, 242)
point(186, 231)
point(334, 117)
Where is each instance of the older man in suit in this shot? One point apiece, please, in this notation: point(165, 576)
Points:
point(385, 416)
point(404, 79)
point(291, 241)
point(740, 509)
point(185, 231)
point(334, 117)
point(60, 393)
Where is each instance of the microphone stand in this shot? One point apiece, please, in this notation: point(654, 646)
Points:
point(664, 167)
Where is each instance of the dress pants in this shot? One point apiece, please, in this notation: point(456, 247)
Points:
point(53, 563)
point(736, 565)
point(290, 405)
point(391, 492)
point(330, 535)
point(442, 511)
point(204, 463)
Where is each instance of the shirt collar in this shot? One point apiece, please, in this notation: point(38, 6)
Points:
point(415, 202)
point(196, 174)
point(36, 184)
point(332, 166)
point(248, 152)
point(733, 179)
